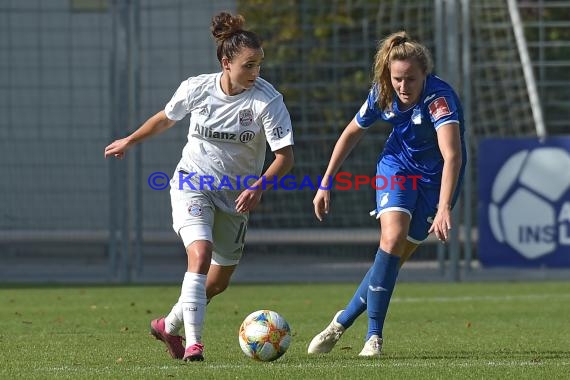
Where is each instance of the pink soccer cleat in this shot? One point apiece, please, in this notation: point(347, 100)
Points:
point(194, 353)
point(173, 342)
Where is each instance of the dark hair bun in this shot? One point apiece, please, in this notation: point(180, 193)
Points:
point(225, 25)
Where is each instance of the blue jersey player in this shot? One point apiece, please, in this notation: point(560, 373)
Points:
point(426, 144)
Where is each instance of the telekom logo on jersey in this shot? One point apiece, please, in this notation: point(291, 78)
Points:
point(341, 181)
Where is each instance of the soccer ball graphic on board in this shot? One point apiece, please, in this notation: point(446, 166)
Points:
point(529, 209)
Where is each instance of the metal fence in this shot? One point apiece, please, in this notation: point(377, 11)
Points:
point(75, 74)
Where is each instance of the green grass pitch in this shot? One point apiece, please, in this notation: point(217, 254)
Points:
point(433, 331)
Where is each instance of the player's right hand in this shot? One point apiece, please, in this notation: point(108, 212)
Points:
point(117, 148)
point(321, 203)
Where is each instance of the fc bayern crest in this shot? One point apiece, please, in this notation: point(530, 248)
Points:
point(195, 209)
point(245, 117)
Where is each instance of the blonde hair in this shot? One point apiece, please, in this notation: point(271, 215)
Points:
point(396, 47)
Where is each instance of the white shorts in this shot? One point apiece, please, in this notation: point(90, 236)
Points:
point(195, 216)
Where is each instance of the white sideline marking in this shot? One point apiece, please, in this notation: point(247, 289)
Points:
point(506, 297)
point(416, 363)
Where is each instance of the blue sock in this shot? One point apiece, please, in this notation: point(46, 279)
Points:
point(383, 275)
point(357, 304)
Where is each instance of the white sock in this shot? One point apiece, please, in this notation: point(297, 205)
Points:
point(193, 301)
point(174, 320)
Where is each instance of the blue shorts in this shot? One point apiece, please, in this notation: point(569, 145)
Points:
point(398, 190)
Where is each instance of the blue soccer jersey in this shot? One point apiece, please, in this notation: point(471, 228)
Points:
point(413, 140)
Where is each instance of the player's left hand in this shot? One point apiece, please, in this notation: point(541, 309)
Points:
point(441, 224)
point(248, 199)
point(321, 203)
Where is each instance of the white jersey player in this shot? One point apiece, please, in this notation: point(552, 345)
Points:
point(227, 135)
point(233, 115)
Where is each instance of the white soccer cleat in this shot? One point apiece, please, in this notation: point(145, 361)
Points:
point(326, 339)
point(372, 347)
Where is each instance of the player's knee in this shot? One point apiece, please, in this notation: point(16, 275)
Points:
point(199, 256)
point(394, 244)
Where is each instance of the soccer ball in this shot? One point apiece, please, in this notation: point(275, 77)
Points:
point(264, 335)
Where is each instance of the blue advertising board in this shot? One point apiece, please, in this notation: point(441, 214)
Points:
point(524, 202)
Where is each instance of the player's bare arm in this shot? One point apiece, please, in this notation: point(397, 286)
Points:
point(450, 147)
point(154, 125)
point(347, 141)
point(281, 165)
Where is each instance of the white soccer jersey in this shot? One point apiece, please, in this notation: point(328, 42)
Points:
point(228, 134)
